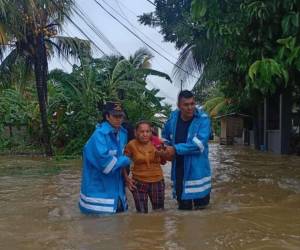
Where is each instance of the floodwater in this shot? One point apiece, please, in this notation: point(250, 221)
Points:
point(255, 205)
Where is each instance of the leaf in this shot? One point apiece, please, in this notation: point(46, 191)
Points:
point(153, 72)
point(71, 46)
point(262, 74)
point(122, 67)
point(285, 24)
point(285, 76)
point(295, 20)
point(199, 8)
point(253, 70)
point(295, 53)
point(281, 53)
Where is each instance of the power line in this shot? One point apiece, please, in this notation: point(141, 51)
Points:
point(166, 95)
point(151, 3)
point(90, 24)
point(138, 37)
point(66, 15)
point(126, 19)
point(99, 34)
point(124, 16)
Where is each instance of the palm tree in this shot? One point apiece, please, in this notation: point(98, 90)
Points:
point(214, 105)
point(77, 98)
point(28, 29)
point(131, 73)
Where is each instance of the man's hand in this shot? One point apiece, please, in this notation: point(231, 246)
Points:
point(170, 152)
point(161, 153)
point(167, 154)
point(130, 183)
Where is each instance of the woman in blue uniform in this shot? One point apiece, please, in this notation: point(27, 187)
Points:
point(102, 184)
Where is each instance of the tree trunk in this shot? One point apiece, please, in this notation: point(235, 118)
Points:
point(10, 131)
point(40, 71)
point(44, 61)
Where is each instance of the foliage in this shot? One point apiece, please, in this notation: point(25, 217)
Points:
point(28, 33)
point(19, 114)
point(262, 74)
point(250, 48)
point(75, 100)
point(12, 108)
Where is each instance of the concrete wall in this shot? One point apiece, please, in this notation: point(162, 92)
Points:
point(251, 135)
point(274, 141)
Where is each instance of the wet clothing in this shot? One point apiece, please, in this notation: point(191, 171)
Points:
point(102, 184)
point(195, 203)
point(182, 128)
point(148, 175)
point(155, 191)
point(146, 164)
point(191, 173)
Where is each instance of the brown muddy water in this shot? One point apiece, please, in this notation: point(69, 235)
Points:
point(255, 205)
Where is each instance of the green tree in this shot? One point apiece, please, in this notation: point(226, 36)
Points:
point(76, 99)
point(250, 48)
point(28, 30)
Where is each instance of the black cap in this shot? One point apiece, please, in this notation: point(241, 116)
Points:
point(114, 108)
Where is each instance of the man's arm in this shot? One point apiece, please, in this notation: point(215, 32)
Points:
point(98, 154)
point(199, 141)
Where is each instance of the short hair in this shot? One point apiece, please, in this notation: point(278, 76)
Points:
point(139, 123)
point(185, 94)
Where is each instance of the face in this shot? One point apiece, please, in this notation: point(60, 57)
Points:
point(143, 133)
point(187, 107)
point(115, 120)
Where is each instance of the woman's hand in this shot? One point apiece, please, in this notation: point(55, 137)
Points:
point(130, 183)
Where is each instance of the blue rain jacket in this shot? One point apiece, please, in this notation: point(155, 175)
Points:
point(197, 172)
point(102, 184)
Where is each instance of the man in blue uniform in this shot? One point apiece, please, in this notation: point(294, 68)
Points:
point(187, 132)
point(102, 185)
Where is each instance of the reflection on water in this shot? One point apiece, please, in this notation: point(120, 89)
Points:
point(255, 205)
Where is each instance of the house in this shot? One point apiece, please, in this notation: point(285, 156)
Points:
point(234, 128)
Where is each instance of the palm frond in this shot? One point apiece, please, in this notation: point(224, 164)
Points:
point(213, 106)
point(153, 72)
point(71, 47)
point(16, 69)
point(141, 58)
point(185, 65)
point(121, 69)
point(9, 60)
point(3, 35)
point(49, 12)
point(2, 8)
point(215, 111)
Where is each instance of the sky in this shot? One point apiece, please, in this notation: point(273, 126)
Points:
point(126, 43)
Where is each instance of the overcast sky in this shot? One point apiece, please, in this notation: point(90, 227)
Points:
point(123, 40)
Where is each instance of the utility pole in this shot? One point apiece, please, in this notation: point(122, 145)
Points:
point(181, 83)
